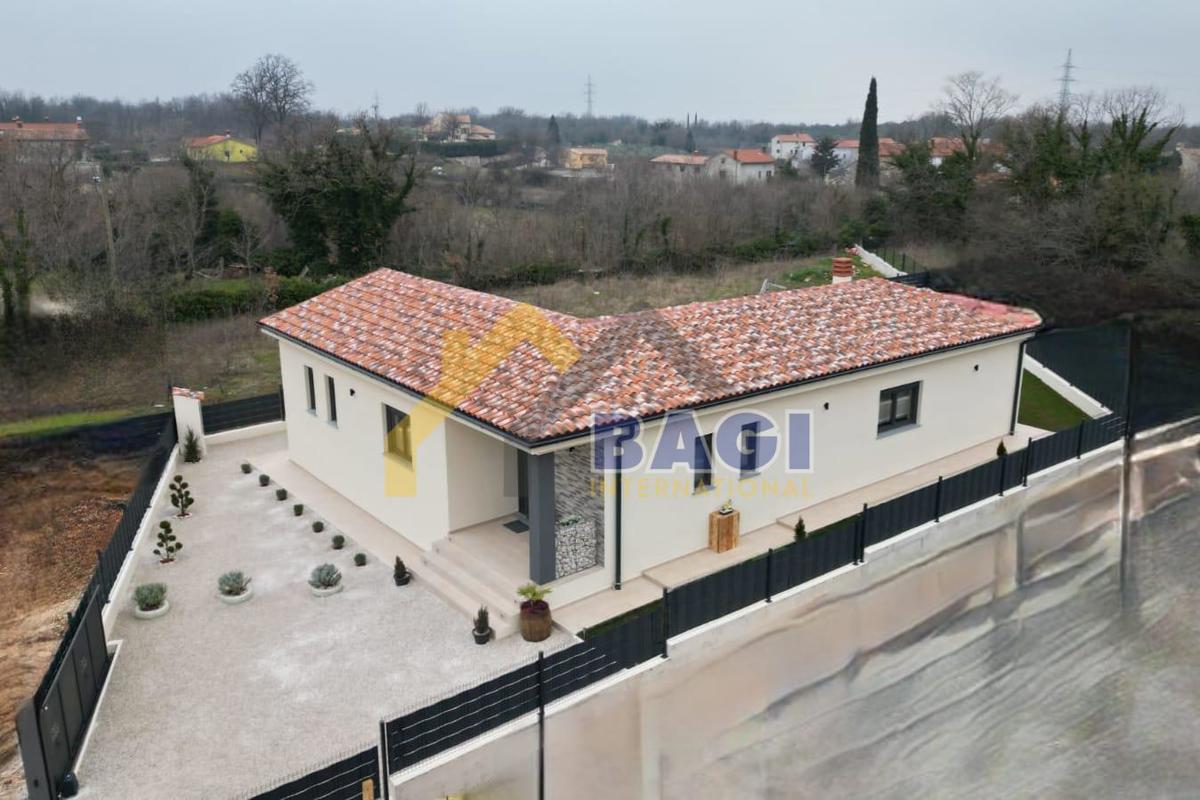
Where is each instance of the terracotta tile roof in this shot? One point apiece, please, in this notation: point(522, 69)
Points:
point(205, 141)
point(748, 155)
point(945, 146)
point(890, 147)
point(693, 159)
point(43, 131)
point(847, 144)
point(794, 137)
point(393, 325)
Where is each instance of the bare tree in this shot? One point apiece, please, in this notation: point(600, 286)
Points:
point(973, 103)
point(272, 90)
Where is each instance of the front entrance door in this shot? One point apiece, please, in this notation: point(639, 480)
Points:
point(523, 485)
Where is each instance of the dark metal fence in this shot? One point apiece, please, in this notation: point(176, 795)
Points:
point(341, 780)
point(1093, 359)
point(242, 413)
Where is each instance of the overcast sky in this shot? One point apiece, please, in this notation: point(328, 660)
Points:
point(770, 60)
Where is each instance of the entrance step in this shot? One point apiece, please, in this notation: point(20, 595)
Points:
point(480, 568)
point(464, 590)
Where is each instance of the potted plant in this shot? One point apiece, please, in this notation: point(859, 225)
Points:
point(234, 587)
point(168, 545)
point(339, 541)
point(799, 529)
point(325, 580)
point(150, 600)
point(400, 573)
point(298, 509)
point(318, 526)
point(726, 507)
point(482, 630)
point(360, 559)
point(246, 468)
point(535, 620)
point(281, 494)
point(181, 496)
point(264, 479)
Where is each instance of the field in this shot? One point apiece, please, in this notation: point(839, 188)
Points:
point(59, 508)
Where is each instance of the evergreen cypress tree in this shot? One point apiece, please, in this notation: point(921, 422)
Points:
point(552, 136)
point(866, 175)
point(690, 144)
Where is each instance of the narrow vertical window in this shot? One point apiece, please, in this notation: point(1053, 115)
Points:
point(398, 437)
point(749, 449)
point(702, 479)
point(310, 387)
point(331, 395)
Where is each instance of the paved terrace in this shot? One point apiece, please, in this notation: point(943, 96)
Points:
point(213, 700)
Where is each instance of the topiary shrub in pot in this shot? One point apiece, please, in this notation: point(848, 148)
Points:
point(168, 544)
point(181, 496)
point(400, 573)
point(799, 529)
point(281, 494)
point(246, 468)
point(234, 587)
point(264, 479)
point(483, 629)
point(360, 559)
point(535, 620)
point(325, 580)
point(338, 541)
point(318, 526)
point(298, 509)
point(191, 447)
point(150, 600)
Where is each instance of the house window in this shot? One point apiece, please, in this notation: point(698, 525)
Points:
point(702, 479)
point(749, 449)
point(398, 427)
point(898, 407)
point(310, 387)
point(331, 396)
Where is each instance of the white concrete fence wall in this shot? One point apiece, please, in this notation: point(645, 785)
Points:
point(876, 263)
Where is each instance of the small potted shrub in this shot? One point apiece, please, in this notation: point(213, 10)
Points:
point(535, 620)
point(191, 447)
point(318, 526)
point(1001, 450)
point(400, 573)
point(339, 541)
point(360, 559)
point(168, 544)
point(799, 529)
point(298, 509)
point(181, 496)
point(150, 601)
point(482, 630)
point(234, 587)
point(246, 468)
point(264, 479)
point(281, 494)
point(325, 580)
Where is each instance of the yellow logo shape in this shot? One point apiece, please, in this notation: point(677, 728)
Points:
point(464, 368)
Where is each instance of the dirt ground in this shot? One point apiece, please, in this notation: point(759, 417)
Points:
point(57, 508)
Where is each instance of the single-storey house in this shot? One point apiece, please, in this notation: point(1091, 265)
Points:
point(68, 139)
point(741, 165)
point(221, 147)
point(793, 147)
point(585, 158)
point(473, 425)
point(679, 165)
point(847, 149)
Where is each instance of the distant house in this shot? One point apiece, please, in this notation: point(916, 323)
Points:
point(447, 127)
point(585, 158)
point(847, 149)
point(792, 147)
point(1189, 162)
point(942, 147)
point(27, 138)
point(221, 147)
point(679, 165)
point(741, 165)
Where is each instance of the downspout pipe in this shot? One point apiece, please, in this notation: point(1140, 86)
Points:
point(617, 522)
point(1016, 403)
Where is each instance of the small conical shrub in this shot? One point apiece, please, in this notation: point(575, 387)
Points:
point(191, 447)
point(799, 529)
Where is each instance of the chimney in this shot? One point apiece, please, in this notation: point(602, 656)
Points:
point(79, 122)
point(18, 121)
point(843, 270)
point(227, 133)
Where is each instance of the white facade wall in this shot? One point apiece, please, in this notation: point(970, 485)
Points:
point(790, 151)
point(958, 408)
point(846, 155)
point(349, 457)
point(724, 166)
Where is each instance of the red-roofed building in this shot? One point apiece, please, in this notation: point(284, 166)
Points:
point(741, 165)
point(457, 417)
point(221, 147)
point(793, 147)
point(69, 138)
point(679, 165)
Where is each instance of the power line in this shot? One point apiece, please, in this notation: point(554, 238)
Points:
point(1064, 92)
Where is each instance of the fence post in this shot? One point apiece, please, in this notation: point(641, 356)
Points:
point(104, 584)
point(1003, 463)
point(1079, 442)
point(1028, 457)
point(861, 554)
point(666, 624)
point(937, 501)
point(904, 262)
point(770, 550)
point(541, 726)
point(387, 772)
point(282, 407)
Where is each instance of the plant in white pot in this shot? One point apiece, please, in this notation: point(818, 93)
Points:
point(234, 587)
point(325, 580)
point(150, 601)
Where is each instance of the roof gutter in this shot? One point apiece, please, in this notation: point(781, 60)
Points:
point(533, 445)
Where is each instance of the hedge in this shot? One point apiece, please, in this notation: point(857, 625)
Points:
point(241, 296)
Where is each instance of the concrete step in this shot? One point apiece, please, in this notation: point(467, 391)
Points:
point(461, 589)
point(500, 584)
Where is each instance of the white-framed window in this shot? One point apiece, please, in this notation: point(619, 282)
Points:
point(331, 397)
point(310, 390)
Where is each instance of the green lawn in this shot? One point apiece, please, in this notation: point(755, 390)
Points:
point(1044, 408)
point(40, 426)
